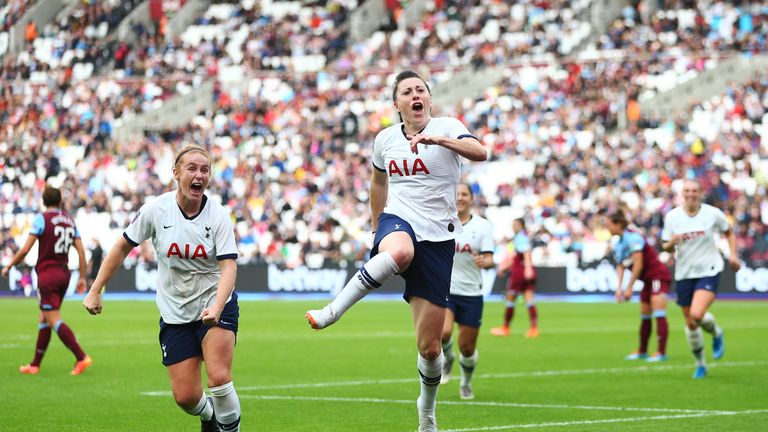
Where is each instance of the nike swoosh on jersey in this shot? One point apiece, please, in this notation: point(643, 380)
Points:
point(167, 226)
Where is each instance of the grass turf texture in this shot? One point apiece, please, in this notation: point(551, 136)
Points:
point(360, 374)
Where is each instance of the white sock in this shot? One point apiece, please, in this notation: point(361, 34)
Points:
point(696, 341)
point(467, 367)
point(709, 325)
point(227, 406)
point(204, 409)
point(448, 350)
point(370, 276)
point(430, 372)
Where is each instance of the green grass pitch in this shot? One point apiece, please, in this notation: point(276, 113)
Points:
point(360, 374)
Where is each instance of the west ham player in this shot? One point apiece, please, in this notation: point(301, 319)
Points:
point(633, 251)
point(474, 251)
point(689, 230)
point(522, 280)
point(417, 166)
point(56, 232)
point(195, 244)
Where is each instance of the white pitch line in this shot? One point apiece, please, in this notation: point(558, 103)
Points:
point(653, 368)
point(607, 421)
point(491, 404)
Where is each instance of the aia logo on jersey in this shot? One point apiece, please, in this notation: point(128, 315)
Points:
point(692, 235)
point(404, 170)
point(463, 249)
point(175, 250)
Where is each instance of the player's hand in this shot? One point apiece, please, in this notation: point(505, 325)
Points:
point(676, 239)
point(92, 302)
point(479, 260)
point(80, 286)
point(735, 263)
point(628, 294)
point(619, 296)
point(417, 139)
point(528, 273)
point(211, 315)
point(5, 271)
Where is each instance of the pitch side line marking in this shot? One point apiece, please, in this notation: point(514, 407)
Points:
point(504, 375)
point(606, 421)
point(491, 404)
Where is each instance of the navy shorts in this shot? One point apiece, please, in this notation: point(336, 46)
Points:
point(429, 275)
point(467, 310)
point(686, 287)
point(179, 342)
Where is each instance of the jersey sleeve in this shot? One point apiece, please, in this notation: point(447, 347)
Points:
point(141, 227)
point(226, 248)
point(378, 158)
point(486, 241)
point(666, 232)
point(634, 241)
point(522, 243)
point(38, 225)
point(721, 221)
point(459, 131)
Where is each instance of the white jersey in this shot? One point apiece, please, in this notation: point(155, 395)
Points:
point(188, 253)
point(422, 187)
point(475, 239)
point(697, 254)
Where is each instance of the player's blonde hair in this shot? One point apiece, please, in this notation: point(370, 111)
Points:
point(189, 149)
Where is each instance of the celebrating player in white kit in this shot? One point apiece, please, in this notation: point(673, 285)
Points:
point(474, 251)
point(195, 244)
point(689, 230)
point(417, 167)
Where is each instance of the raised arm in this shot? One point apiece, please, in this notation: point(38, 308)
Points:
point(468, 147)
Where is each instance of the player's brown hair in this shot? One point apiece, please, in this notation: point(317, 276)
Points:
point(51, 197)
point(619, 218)
point(469, 189)
point(188, 149)
point(404, 75)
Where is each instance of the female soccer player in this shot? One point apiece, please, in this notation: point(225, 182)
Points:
point(633, 251)
point(474, 251)
point(689, 231)
point(56, 232)
point(522, 280)
point(195, 245)
point(417, 166)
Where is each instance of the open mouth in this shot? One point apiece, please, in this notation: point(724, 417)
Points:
point(197, 186)
point(417, 107)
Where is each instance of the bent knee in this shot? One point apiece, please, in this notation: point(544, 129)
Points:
point(186, 400)
point(402, 256)
point(218, 378)
point(431, 352)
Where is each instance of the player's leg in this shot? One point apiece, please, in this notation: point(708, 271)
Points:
point(530, 303)
point(447, 343)
point(429, 319)
point(183, 357)
point(644, 331)
point(43, 338)
point(68, 338)
point(703, 298)
point(468, 357)
point(509, 314)
point(659, 313)
point(685, 289)
point(392, 253)
point(218, 351)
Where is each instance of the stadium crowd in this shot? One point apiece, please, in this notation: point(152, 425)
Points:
point(293, 150)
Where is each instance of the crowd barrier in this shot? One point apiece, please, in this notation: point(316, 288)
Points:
point(264, 278)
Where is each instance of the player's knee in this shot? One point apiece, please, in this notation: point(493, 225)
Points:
point(186, 400)
point(696, 317)
point(467, 349)
point(218, 377)
point(402, 255)
point(430, 351)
